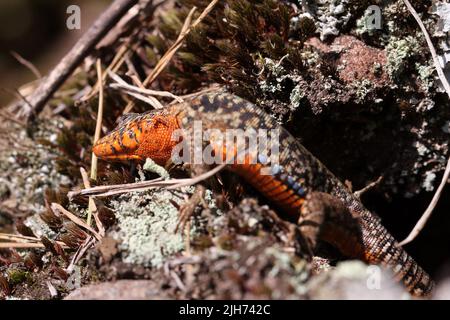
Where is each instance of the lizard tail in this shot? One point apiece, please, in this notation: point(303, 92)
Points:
point(387, 252)
point(361, 236)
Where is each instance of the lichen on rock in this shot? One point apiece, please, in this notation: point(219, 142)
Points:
point(146, 224)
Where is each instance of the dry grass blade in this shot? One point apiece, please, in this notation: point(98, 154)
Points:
point(92, 205)
point(120, 83)
point(20, 241)
point(164, 61)
point(27, 64)
point(150, 100)
point(98, 129)
point(58, 208)
point(105, 191)
point(80, 252)
point(115, 64)
point(21, 245)
point(427, 214)
point(199, 178)
point(17, 237)
point(7, 116)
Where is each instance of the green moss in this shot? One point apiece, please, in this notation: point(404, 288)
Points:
point(17, 276)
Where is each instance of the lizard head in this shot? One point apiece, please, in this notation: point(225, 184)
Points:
point(138, 137)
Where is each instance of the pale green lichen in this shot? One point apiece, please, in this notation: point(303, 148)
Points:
point(310, 58)
point(297, 267)
point(362, 88)
point(147, 223)
point(365, 24)
point(426, 76)
point(26, 172)
point(442, 9)
point(39, 227)
point(355, 280)
point(296, 96)
point(428, 182)
point(331, 16)
point(275, 74)
point(399, 53)
point(152, 166)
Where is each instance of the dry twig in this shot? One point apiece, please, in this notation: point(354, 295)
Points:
point(76, 55)
point(98, 128)
point(20, 241)
point(93, 207)
point(106, 191)
point(427, 214)
point(59, 208)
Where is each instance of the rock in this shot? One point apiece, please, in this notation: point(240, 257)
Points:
point(119, 290)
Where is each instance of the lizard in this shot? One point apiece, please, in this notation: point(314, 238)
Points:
point(298, 184)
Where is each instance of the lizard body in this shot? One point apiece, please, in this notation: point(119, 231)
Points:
point(292, 185)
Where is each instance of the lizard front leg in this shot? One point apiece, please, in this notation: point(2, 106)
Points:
point(324, 217)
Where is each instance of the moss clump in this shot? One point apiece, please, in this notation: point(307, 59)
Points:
point(17, 276)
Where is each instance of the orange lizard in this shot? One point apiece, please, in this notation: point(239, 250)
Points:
point(300, 185)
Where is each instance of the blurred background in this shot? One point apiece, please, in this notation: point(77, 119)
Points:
point(36, 30)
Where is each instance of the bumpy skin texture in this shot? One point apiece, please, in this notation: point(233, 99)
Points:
point(300, 185)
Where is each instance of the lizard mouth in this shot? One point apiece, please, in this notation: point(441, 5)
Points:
point(106, 150)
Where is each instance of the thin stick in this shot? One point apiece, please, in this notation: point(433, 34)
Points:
point(80, 252)
point(27, 64)
point(77, 54)
point(59, 208)
point(98, 129)
point(17, 237)
point(199, 178)
point(359, 193)
point(19, 241)
point(123, 84)
point(427, 214)
point(9, 117)
point(105, 191)
point(20, 245)
point(87, 184)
